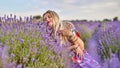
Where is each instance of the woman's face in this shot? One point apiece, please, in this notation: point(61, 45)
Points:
point(48, 18)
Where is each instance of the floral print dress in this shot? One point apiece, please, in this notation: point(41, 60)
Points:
point(86, 62)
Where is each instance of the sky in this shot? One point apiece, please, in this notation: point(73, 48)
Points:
point(66, 9)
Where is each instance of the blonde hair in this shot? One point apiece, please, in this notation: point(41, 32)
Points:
point(55, 21)
point(58, 25)
point(69, 26)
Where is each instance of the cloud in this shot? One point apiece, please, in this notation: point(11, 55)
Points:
point(69, 1)
point(34, 0)
point(44, 3)
point(100, 7)
point(73, 9)
point(95, 10)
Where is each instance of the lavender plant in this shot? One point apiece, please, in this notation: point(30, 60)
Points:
point(86, 29)
point(25, 46)
point(22, 44)
point(108, 39)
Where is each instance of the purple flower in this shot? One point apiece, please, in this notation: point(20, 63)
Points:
point(1, 43)
point(19, 66)
point(0, 24)
point(12, 39)
point(12, 55)
point(22, 40)
point(35, 43)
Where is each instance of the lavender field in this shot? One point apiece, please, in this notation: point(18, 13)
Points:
point(22, 44)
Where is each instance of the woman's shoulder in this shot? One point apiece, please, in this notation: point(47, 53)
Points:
point(68, 24)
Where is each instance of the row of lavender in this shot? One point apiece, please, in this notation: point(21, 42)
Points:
point(21, 45)
point(20, 42)
point(102, 41)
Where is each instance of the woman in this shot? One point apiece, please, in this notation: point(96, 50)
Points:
point(66, 32)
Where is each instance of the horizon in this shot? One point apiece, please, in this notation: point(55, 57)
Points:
point(66, 9)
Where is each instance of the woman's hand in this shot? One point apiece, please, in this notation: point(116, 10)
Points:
point(79, 52)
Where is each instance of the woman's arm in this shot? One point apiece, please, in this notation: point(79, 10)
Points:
point(73, 47)
point(77, 49)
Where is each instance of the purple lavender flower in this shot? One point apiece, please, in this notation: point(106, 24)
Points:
point(21, 40)
point(12, 39)
point(1, 43)
point(19, 66)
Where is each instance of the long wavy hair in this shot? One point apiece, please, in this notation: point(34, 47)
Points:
point(55, 20)
point(58, 25)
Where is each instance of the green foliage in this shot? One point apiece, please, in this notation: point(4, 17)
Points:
point(105, 51)
point(26, 49)
point(37, 17)
point(108, 45)
point(0, 63)
point(86, 34)
point(115, 19)
point(106, 20)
